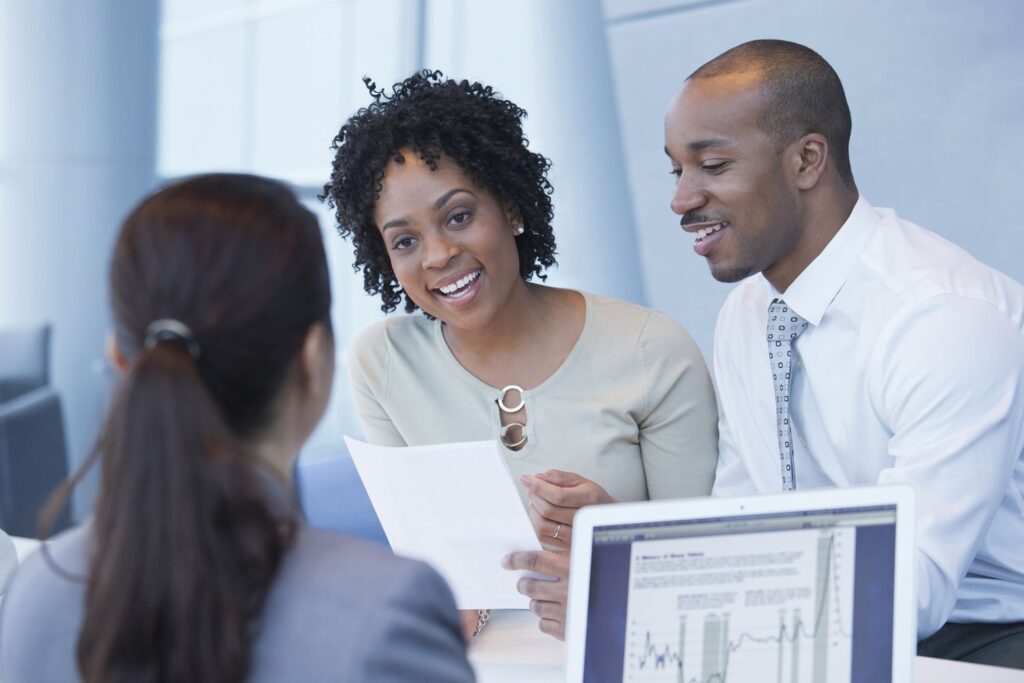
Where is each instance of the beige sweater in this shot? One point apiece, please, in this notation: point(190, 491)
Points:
point(632, 407)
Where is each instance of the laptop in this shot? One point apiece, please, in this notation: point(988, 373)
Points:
point(804, 587)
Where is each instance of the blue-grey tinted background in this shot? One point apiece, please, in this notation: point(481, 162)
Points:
point(105, 99)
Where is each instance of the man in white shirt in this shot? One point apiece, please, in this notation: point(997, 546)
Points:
point(859, 348)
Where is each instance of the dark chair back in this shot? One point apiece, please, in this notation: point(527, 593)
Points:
point(33, 451)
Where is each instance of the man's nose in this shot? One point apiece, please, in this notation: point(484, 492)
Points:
point(687, 196)
point(440, 250)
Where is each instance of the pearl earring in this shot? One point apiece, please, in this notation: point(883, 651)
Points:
point(518, 230)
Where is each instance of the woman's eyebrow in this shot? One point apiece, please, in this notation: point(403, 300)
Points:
point(402, 222)
point(394, 223)
point(448, 195)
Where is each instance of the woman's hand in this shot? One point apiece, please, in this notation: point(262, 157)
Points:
point(555, 496)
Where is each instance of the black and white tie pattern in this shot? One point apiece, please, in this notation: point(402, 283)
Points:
point(784, 326)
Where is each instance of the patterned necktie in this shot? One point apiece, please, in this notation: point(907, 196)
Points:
point(784, 326)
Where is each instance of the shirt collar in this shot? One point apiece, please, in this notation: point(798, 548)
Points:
point(819, 283)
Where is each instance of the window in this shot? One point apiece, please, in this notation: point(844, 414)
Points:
point(262, 86)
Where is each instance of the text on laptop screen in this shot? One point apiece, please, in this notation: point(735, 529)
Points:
point(797, 597)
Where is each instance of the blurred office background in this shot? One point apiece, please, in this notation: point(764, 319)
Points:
point(104, 100)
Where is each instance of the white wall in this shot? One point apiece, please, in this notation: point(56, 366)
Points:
point(936, 88)
point(77, 79)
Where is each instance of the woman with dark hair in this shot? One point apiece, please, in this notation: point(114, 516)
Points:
point(196, 566)
point(450, 213)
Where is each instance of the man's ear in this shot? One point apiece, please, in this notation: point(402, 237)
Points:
point(114, 354)
point(810, 157)
point(316, 360)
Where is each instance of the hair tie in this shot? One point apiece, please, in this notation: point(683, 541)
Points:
point(168, 329)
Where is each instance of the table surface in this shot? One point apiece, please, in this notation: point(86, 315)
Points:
point(511, 650)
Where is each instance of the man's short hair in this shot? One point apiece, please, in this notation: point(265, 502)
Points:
point(802, 94)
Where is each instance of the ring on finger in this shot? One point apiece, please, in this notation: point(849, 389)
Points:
point(558, 530)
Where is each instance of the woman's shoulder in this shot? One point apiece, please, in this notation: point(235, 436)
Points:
point(350, 581)
point(651, 329)
point(364, 614)
point(369, 358)
point(319, 546)
point(63, 558)
point(395, 331)
point(42, 610)
point(370, 570)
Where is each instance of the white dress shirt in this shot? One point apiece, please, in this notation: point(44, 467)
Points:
point(911, 371)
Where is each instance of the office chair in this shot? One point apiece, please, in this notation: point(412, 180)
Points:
point(33, 452)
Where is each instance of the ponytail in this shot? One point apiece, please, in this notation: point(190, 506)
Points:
point(215, 282)
point(187, 543)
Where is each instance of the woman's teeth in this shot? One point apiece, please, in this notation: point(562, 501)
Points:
point(704, 232)
point(460, 284)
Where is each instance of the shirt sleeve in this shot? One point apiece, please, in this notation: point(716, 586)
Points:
point(731, 475)
point(416, 636)
point(367, 363)
point(948, 379)
point(678, 432)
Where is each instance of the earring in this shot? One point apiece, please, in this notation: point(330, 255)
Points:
point(518, 230)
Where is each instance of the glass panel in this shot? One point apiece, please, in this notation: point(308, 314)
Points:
point(263, 86)
point(297, 104)
point(203, 112)
point(381, 39)
point(192, 11)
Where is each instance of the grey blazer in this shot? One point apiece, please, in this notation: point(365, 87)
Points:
point(341, 609)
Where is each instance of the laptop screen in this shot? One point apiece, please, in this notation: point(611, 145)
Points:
point(795, 597)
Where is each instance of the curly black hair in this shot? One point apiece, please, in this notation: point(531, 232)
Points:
point(433, 116)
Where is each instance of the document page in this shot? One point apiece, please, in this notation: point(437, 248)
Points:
point(745, 607)
point(454, 506)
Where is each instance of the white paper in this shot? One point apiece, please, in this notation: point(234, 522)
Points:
point(454, 506)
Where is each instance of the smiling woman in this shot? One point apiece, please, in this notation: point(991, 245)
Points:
point(448, 241)
point(593, 399)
